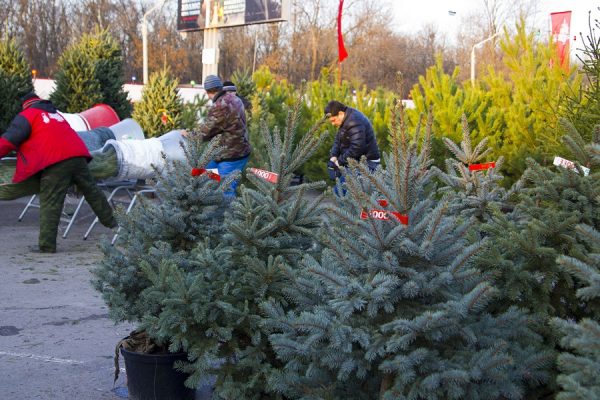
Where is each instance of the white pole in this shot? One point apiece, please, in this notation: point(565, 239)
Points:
point(255, 49)
point(473, 55)
point(145, 38)
point(210, 52)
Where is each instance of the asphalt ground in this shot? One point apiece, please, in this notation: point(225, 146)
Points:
point(56, 340)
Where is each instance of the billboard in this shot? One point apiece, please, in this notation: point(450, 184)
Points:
point(196, 15)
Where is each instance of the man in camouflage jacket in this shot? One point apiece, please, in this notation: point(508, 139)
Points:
point(226, 120)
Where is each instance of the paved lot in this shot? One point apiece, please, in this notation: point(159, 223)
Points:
point(56, 340)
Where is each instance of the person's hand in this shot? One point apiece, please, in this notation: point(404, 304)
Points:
point(185, 133)
point(334, 160)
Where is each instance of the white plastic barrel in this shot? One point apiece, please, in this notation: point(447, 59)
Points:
point(128, 129)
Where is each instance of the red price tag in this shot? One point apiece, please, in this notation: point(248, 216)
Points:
point(211, 175)
point(402, 218)
point(384, 215)
point(481, 167)
point(266, 175)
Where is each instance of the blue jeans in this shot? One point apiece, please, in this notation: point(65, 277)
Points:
point(336, 173)
point(227, 167)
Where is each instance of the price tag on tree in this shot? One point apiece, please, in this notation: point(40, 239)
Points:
point(266, 175)
point(384, 215)
point(562, 162)
point(482, 167)
point(212, 173)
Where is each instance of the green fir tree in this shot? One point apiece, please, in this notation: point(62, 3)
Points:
point(161, 109)
point(393, 308)
point(244, 84)
point(102, 48)
point(583, 107)
point(15, 81)
point(90, 72)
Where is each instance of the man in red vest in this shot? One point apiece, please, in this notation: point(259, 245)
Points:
point(47, 146)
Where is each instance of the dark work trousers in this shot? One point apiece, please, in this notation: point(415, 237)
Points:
point(54, 183)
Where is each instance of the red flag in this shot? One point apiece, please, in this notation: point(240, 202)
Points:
point(561, 28)
point(342, 53)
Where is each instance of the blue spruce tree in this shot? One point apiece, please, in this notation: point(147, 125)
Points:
point(580, 363)
point(159, 235)
point(392, 307)
point(474, 190)
point(211, 309)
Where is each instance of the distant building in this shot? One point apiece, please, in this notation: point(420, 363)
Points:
point(45, 87)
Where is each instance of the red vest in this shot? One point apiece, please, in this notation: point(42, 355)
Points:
point(51, 141)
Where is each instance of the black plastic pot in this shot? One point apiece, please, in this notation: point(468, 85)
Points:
point(152, 377)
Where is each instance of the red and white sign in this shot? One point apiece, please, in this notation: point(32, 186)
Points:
point(562, 162)
point(266, 175)
point(482, 167)
point(561, 31)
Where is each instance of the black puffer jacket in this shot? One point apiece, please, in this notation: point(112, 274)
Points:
point(354, 139)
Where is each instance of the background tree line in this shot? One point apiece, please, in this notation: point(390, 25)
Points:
point(295, 50)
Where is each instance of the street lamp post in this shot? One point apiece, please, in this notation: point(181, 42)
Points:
point(145, 38)
point(473, 55)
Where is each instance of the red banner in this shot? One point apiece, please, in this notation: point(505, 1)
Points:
point(342, 53)
point(561, 30)
point(266, 175)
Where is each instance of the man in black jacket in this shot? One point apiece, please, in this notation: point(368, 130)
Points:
point(354, 139)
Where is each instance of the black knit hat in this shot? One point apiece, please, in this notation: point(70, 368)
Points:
point(334, 107)
point(29, 99)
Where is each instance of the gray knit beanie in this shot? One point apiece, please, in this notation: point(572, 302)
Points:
point(212, 82)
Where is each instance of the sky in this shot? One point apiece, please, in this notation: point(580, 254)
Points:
point(411, 15)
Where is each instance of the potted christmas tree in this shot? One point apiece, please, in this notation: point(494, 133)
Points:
point(213, 310)
point(155, 236)
point(193, 270)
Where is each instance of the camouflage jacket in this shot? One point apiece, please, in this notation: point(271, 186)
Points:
point(227, 120)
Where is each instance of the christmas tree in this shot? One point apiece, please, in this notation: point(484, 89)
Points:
point(392, 308)
point(160, 109)
point(106, 52)
point(194, 269)
point(90, 72)
point(15, 81)
point(583, 107)
point(474, 186)
point(552, 202)
point(579, 378)
point(189, 209)
point(214, 311)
